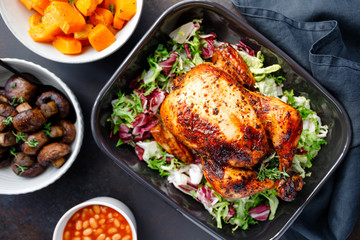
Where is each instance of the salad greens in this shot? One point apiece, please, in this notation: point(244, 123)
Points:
point(136, 113)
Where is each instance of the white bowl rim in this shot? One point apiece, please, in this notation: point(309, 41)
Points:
point(79, 131)
point(77, 59)
point(105, 201)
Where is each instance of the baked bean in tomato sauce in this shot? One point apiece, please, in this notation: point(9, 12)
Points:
point(97, 222)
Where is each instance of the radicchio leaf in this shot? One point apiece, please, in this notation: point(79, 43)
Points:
point(124, 134)
point(208, 52)
point(207, 197)
point(155, 99)
point(246, 48)
point(142, 125)
point(188, 53)
point(260, 213)
point(167, 64)
point(139, 152)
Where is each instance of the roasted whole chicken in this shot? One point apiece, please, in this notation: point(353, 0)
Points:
point(214, 114)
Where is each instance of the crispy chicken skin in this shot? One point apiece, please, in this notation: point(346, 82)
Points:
point(283, 125)
point(230, 61)
point(208, 112)
point(232, 129)
point(231, 182)
point(165, 139)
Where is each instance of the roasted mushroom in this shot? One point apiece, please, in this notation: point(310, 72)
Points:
point(29, 120)
point(4, 123)
point(23, 107)
point(53, 152)
point(70, 131)
point(17, 87)
point(34, 142)
point(61, 102)
point(49, 109)
point(56, 131)
point(26, 166)
point(7, 110)
point(3, 99)
point(7, 139)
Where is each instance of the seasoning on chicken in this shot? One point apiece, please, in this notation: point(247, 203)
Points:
point(233, 130)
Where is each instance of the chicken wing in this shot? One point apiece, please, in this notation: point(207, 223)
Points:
point(230, 61)
point(166, 140)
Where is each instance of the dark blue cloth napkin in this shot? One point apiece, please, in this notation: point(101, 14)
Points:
point(324, 37)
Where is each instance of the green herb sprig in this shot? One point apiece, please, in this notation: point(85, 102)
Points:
point(8, 120)
point(20, 169)
point(21, 137)
point(47, 129)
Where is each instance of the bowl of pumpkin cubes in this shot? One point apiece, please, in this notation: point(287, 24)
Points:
point(72, 31)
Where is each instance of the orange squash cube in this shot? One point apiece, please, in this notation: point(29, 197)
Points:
point(83, 35)
point(86, 7)
point(35, 19)
point(110, 5)
point(100, 37)
point(102, 15)
point(40, 5)
point(125, 9)
point(66, 16)
point(118, 22)
point(67, 45)
point(43, 33)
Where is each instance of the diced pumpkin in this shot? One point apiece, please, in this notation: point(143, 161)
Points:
point(101, 37)
point(67, 17)
point(83, 35)
point(40, 5)
point(67, 45)
point(102, 15)
point(46, 30)
point(86, 7)
point(35, 19)
point(43, 33)
point(125, 9)
point(27, 3)
point(110, 5)
point(118, 22)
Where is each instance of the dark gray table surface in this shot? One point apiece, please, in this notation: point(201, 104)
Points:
point(34, 215)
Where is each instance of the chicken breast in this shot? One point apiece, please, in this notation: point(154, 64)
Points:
point(208, 112)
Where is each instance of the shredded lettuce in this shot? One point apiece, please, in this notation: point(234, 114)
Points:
point(125, 109)
point(158, 159)
point(312, 136)
point(269, 87)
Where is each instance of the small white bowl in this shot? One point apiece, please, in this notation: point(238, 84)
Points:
point(10, 183)
point(113, 203)
point(16, 16)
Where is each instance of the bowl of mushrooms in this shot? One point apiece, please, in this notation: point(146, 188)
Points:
point(41, 127)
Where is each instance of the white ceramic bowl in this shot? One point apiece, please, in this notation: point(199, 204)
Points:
point(16, 16)
point(10, 183)
point(105, 201)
